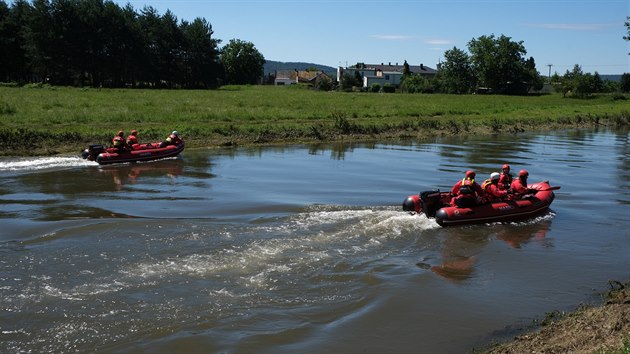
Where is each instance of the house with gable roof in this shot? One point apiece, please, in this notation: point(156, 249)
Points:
point(384, 73)
point(290, 77)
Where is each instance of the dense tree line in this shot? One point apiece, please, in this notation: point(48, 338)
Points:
point(98, 43)
point(576, 83)
point(497, 64)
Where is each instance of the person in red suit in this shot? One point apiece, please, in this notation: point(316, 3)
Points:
point(173, 139)
point(505, 180)
point(519, 185)
point(466, 193)
point(132, 139)
point(119, 142)
point(491, 188)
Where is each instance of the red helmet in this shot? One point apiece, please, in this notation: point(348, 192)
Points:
point(470, 174)
point(523, 173)
point(134, 132)
point(506, 167)
point(121, 133)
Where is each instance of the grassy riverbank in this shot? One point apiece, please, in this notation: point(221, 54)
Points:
point(603, 329)
point(50, 120)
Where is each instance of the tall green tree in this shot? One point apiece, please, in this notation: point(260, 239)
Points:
point(576, 83)
point(149, 21)
point(455, 74)
point(170, 50)
point(415, 83)
point(405, 74)
point(69, 50)
point(349, 81)
point(39, 40)
point(163, 39)
point(627, 24)
point(625, 82)
point(123, 46)
point(13, 61)
point(499, 64)
point(201, 54)
point(242, 62)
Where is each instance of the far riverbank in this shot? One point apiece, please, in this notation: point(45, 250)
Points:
point(57, 120)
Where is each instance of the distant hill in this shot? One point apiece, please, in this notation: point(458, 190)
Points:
point(611, 77)
point(271, 66)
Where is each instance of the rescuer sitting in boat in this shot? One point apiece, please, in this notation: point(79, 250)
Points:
point(119, 142)
point(466, 193)
point(519, 185)
point(491, 188)
point(172, 139)
point(132, 139)
point(505, 180)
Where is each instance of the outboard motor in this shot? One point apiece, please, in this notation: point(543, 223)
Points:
point(92, 151)
point(430, 202)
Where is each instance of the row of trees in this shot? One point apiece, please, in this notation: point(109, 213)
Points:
point(576, 83)
point(496, 64)
point(98, 43)
point(499, 65)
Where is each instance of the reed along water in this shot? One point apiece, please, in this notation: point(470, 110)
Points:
point(302, 249)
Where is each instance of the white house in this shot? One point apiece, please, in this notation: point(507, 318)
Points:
point(384, 73)
point(382, 78)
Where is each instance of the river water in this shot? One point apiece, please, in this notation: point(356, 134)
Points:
point(302, 249)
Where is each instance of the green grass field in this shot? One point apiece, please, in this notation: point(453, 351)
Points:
point(50, 120)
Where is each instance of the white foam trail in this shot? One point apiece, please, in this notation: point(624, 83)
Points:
point(42, 163)
point(297, 244)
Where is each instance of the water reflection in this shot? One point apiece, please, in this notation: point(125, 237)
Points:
point(535, 232)
point(623, 142)
point(338, 150)
point(460, 251)
point(481, 152)
point(129, 174)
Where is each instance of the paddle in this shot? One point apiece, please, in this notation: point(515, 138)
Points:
point(546, 189)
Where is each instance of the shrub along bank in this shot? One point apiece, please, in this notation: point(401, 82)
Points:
point(37, 120)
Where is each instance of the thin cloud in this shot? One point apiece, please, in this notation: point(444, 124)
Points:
point(391, 37)
point(572, 26)
point(439, 41)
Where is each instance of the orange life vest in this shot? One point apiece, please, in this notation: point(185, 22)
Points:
point(118, 141)
point(131, 139)
point(466, 186)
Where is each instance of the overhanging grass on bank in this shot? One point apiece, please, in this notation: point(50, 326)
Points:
point(59, 119)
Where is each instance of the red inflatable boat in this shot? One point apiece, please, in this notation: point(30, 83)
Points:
point(436, 204)
point(140, 152)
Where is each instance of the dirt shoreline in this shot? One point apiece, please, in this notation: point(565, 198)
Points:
point(63, 147)
point(589, 329)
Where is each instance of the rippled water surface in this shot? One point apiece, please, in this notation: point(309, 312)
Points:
point(301, 248)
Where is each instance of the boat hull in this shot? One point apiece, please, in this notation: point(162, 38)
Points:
point(437, 205)
point(141, 152)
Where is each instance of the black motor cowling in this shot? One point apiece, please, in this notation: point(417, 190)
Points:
point(92, 151)
point(431, 202)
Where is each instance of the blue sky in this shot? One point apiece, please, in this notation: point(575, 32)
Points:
point(343, 32)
